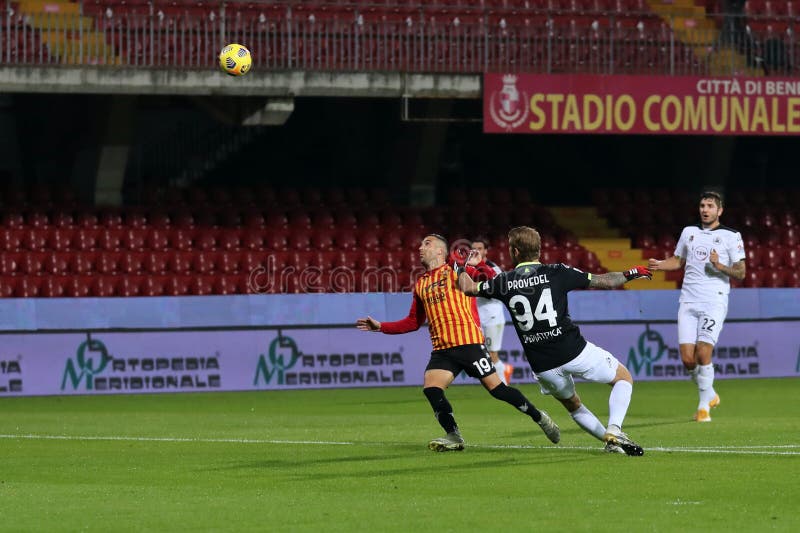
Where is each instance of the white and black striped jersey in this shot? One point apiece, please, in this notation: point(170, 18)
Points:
point(536, 296)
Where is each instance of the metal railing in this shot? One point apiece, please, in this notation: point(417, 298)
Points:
point(360, 37)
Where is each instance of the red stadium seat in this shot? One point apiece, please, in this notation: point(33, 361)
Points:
point(104, 286)
point(60, 239)
point(299, 239)
point(254, 239)
point(180, 239)
point(205, 239)
point(345, 239)
point(53, 287)
point(11, 239)
point(10, 263)
point(202, 285)
point(152, 286)
point(158, 219)
point(753, 257)
point(229, 262)
point(132, 262)
point(85, 239)
point(772, 257)
point(33, 262)
point(180, 262)
point(204, 262)
point(391, 240)
point(177, 285)
point(107, 262)
point(253, 219)
point(78, 286)
point(275, 240)
point(228, 239)
point(773, 278)
point(155, 262)
point(110, 239)
point(37, 219)
point(157, 239)
point(82, 262)
point(34, 239)
point(752, 278)
point(230, 284)
point(792, 279)
point(791, 258)
point(368, 240)
point(56, 263)
point(8, 286)
point(130, 286)
point(28, 287)
point(322, 240)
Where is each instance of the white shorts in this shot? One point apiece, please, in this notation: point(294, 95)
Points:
point(593, 364)
point(494, 336)
point(701, 322)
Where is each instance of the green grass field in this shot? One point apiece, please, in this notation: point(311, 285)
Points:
point(356, 460)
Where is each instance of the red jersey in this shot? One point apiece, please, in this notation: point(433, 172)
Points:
point(452, 315)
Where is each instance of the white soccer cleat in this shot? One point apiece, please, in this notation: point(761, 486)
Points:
point(452, 442)
point(549, 427)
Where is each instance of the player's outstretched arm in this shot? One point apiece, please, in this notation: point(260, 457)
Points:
point(612, 280)
point(467, 285)
point(671, 263)
point(368, 324)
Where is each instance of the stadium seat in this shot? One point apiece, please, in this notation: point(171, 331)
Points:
point(152, 286)
point(180, 238)
point(60, 239)
point(33, 262)
point(8, 286)
point(79, 286)
point(204, 262)
point(82, 263)
point(157, 239)
point(156, 261)
point(228, 239)
point(228, 262)
point(180, 262)
point(130, 286)
point(752, 278)
point(56, 263)
point(753, 257)
point(202, 285)
point(104, 286)
point(773, 278)
point(177, 285)
point(53, 286)
point(791, 257)
point(132, 262)
point(27, 287)
point(772, 257)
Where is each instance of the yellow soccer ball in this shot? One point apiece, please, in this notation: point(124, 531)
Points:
point(235, 60)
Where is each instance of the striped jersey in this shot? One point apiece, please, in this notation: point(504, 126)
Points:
point(452, 315)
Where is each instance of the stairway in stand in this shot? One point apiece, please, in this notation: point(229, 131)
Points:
point(613, 250)
point(68, 35)
point(696, 30)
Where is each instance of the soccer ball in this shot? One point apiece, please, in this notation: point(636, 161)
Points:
point(235, 59)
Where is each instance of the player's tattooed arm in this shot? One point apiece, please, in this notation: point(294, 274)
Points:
point(735, 271)
point(611, 280)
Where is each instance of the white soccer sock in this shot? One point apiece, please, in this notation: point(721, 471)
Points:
point(500, 367)
point(693, 374)
point(705, 385)
point(590, 424)
point(618, 402)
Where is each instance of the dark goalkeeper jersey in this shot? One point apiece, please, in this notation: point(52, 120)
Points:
point(536, 296)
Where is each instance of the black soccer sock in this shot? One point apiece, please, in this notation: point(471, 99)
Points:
point(442, 409)
point(514, 397)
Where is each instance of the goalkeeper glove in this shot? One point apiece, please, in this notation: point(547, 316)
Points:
point(637, 272)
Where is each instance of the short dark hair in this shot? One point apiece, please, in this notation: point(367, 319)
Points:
point(712, 195)
point(439, 237)
point(483, 240)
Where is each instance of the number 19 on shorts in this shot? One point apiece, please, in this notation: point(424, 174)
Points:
point(484, 364)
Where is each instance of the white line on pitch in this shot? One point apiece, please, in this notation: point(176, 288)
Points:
point(739, 450)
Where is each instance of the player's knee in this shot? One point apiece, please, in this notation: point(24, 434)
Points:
point(623, 374)
point(572, 404)
point(433, 394)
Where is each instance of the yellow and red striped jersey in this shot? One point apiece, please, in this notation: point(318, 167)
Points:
point(452, 315)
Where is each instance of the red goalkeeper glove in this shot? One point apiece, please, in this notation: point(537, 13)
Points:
point(638, 272)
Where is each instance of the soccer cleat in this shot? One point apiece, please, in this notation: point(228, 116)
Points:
point(702, 415)
point(714, 402)
point(613, 448)
point(616, 437)
point(452, 442)
point(550, 428)
point(508, 371)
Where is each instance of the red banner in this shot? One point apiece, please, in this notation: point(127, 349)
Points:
point(661, 105)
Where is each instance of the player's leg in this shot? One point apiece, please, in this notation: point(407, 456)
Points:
point(599, 365)
point(561, 386)
point(477, 364)
point(710, 327)
point(438, 376)
point(493, 333)
point(688, 329)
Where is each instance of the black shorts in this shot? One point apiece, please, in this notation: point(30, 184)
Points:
point(471, 358)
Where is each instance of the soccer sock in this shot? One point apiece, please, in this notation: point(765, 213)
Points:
point(590, 423)
point(500, 368)
point(442, 409)
point(618, 402)
point(705, 385)
point(513, 396)
point(692, 374)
